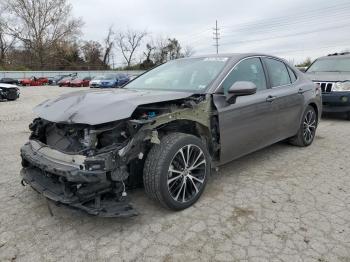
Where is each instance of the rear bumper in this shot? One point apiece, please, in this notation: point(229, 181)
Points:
point(73, 180)
point(336, 102)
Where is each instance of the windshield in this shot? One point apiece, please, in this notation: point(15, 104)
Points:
point(331, 65)
point(193, 74)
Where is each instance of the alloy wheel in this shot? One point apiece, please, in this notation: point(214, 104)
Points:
point(309, 126)
point(187, 173)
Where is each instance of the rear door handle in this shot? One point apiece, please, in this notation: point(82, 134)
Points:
point(301, 90)
point(271, 98)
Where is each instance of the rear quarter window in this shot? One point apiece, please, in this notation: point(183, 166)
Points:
point(292, 75)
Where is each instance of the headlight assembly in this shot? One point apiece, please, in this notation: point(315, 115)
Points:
point(341, 86)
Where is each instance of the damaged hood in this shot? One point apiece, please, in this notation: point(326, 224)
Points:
point(8, 86)
point(95, 107)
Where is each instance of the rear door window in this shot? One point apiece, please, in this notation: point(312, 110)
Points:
point(278, 72)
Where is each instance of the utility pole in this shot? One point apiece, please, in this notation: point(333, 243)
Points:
point(216, 36)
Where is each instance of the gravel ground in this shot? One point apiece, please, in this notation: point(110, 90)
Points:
point(282, 203)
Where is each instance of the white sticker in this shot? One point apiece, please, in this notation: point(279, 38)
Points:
point(216, 59)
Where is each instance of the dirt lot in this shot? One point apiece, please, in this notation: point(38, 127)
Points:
point(282, 203)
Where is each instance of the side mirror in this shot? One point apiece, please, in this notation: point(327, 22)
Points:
point(240, 88)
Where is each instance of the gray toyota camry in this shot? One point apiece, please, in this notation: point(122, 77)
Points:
point(165, 130)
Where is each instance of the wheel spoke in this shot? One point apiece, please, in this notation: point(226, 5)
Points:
point(194, 184)
point(184, 191)
point(172, 170)
point(197, 165)
point(178, 193)
point(195, 178)
point(174, 179)
point(183, 157)
point(197, 158)
point(188, 155)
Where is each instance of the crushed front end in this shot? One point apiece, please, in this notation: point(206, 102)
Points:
point(91, 167)
point(81, 166)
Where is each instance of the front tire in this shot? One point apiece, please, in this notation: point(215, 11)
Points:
point(176, 171)
point(307, 129)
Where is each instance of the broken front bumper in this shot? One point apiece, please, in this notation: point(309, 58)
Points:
point(74, 180)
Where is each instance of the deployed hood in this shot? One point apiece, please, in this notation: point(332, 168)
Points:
point(329, 76)
point(95, 107)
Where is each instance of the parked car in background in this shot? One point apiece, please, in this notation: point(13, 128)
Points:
point(10, 81)
point(34, 81)
point(332, 73)
point(109, 81)
point(58, 78)
point(166, 130)
point(66, 81)
point(85, 82)
point(9, 92)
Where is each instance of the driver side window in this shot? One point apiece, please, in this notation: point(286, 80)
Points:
point(250, 69)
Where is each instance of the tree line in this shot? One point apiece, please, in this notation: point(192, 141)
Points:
point(44, 35)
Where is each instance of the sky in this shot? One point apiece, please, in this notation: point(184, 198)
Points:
point(292, 29)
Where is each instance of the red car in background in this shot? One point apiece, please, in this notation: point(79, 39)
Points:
point(66, 81)
point(33, 81)
point(85, 82)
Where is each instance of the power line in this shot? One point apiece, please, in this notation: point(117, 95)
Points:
point(287, 35)
point(339, 11)
point(216, 36)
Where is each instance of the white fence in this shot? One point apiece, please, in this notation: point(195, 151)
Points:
point(28, 74)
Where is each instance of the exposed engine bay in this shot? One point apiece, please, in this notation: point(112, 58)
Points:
point(91, 167)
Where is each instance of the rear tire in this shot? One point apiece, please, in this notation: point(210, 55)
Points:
point(307, 129)
point(176, 171)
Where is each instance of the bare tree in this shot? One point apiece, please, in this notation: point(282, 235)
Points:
point(6, 41)
point(40, 24)
point(108, 45)
point(128, 42)
point(160, 54)
point(92, 52)
point(188, 51)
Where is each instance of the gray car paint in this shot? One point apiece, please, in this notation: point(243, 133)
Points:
point(248, 125)
point(101, 106)
point(253, 123)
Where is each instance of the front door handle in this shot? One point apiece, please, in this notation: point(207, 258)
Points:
point(271, 98)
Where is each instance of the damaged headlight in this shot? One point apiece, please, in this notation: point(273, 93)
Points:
point(341, 86)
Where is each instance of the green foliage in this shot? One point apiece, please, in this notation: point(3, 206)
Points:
point(306, 63)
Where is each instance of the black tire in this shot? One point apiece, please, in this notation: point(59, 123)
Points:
point(160, 159)
point(307, 131)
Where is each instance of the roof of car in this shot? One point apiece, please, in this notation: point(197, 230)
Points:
point(336, 56)
point(231, 55)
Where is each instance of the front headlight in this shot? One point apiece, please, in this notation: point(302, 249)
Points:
point(342, 86)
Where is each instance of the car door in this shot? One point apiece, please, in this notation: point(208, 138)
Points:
point(248, 124)
point(288, 100)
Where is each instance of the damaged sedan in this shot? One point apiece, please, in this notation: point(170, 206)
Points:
point(9, 92)
point(165, 130)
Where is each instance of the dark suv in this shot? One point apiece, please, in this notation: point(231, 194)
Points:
point(332, 73)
